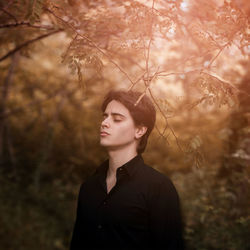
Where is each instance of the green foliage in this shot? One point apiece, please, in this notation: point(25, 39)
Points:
point(35, 220)
point(214, 212)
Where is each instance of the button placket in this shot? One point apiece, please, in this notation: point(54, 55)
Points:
point(100, 213)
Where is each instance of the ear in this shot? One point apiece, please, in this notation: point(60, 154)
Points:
point(140, 131)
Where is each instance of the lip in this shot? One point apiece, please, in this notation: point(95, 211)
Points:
point(102, 133)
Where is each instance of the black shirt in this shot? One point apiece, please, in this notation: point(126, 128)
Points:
point(140, 212)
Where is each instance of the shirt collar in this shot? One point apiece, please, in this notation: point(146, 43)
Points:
point(130, 166)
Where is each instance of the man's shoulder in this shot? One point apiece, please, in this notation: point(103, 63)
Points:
point(152, 172)
point(155, 177)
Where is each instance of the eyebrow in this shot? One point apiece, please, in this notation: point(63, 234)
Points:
point(114, 114)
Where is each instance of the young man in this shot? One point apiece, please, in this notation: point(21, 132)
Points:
point(127, 204)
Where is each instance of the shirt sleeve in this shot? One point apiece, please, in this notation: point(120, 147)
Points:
point(75, 243)
point(165, 217)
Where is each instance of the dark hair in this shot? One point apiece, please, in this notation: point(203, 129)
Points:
point(143, 113)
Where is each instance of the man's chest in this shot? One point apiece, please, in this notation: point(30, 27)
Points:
point(124, 205)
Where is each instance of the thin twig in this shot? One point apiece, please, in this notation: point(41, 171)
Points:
point(166, 120)
point(140, 97)
point(9, 14)
point(196, 103)
point(161, 73)
point(147, 87)
point(147, 80)
point(211, 62)
point(133, 84)
point(144, 48)
point(125, 56)
point(162, 133)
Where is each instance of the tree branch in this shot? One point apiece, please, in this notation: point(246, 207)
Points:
point(23, 23)
point(27, 43)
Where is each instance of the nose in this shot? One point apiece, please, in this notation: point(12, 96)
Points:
point(105, 123)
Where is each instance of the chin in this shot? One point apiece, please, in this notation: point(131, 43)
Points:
point(102, 143)
point(109, 146)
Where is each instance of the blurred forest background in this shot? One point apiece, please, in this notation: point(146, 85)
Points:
point(59, 58)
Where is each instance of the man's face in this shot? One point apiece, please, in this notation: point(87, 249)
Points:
point(117, 128)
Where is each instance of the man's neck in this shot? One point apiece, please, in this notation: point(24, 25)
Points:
point(117, 159)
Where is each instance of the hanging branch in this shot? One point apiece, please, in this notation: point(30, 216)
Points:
point(70, 44)
point(213, 75)
point(147, 84)
point(92, 43)
point(204, 71)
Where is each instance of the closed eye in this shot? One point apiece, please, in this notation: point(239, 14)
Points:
point(116, 117)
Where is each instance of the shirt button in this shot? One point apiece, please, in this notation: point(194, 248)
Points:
point(99, 226)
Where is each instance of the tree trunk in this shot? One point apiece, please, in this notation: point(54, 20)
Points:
point(7, 157)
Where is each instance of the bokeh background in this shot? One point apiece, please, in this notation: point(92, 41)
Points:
point(57, 61)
